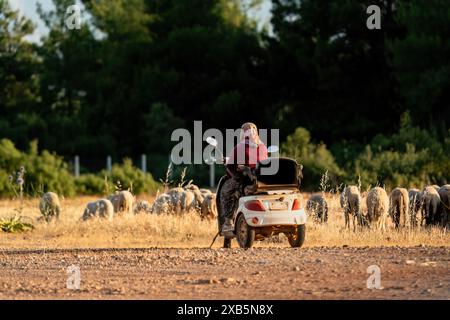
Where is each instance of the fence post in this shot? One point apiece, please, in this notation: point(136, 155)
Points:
point(77, 166)
point(108, 163)
point(144, 163)
point(212, 179)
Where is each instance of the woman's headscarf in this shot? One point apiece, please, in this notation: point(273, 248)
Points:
point(250, 130)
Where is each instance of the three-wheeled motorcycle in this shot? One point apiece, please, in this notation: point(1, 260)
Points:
point(270, 204)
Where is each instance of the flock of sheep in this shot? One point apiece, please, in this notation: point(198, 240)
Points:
point(403, 206)
point(175, 200)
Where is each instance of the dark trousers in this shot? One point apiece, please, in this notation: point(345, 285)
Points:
point(229, 197)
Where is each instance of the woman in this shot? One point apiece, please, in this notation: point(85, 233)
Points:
point(247, 153)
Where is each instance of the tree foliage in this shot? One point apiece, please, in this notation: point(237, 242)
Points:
point(138, 69)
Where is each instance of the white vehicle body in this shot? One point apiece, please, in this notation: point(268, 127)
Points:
point(278, 209)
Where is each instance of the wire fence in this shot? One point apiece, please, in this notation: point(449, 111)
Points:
point(156, 165)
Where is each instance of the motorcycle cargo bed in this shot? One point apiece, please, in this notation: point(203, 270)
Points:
point(287, 177)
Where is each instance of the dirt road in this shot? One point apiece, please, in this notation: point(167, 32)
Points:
point(262, 273)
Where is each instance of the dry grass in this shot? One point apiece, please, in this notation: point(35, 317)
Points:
point(187, 231)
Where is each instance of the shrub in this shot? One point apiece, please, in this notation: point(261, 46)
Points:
point(91, 184)
point(130, 178)
point(15, 224)
point(47, 171)
point(44, 172)
point(393, 168)
point(412, 157)
point(315, 158)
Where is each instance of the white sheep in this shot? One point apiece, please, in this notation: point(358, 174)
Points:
point(142, 206)
point(49, 206)
point(317, 207)
point(377, 207)
point(350, 201)
point(101, 208)
point(399, 207)
point(122, 201)
point(209, 208)
point(205, 192)
point(162, 204)
point(198, 194)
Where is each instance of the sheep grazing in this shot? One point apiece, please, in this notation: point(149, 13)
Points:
point(444, 193)
point(415, 204)
point(141, 206)
point(198, 194)
point(377, 207)
point(399, 207)
point(435, 186)
point(122, 201)
point(162, 204)
point(209, 208)
point(178, 199)
point(350, 201)
point(317, 207)
point(430, 206)
point(49, 206)
point(190, 202)
point(102, 208)
point(205, 192)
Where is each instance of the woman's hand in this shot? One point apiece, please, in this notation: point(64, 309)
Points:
point(246, 171)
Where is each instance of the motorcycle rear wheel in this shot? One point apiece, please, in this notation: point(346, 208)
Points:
point(245, 234)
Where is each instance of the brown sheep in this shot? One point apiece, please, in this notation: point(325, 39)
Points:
point(377, 207)
point(317, 207)
point(49, 206)
point(122, 201)
point(430, 206)
point(350, 201)
point(444, 193)
point(209, 208)
point(101, 208)
point(399, 207)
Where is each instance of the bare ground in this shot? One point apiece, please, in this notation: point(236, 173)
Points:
point(260, 273)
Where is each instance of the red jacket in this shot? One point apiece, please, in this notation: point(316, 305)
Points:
point(247, 153)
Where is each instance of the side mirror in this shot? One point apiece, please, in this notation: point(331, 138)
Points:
point(211, 161)
point(211, 141)
point(273, 149)
point(300, 174)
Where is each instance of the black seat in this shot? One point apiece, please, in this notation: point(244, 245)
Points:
point(287, 177)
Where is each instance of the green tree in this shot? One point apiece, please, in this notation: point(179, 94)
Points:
point(19, 81)
point(331, 73)
point(420, 61)
point(315, 158)
point(71, 60)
